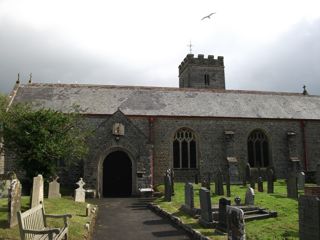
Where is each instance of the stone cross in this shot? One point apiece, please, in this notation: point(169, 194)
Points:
point(37, 191)
point(80, 193)
point(270, 180)
point(219, 184)
point(292, 188)
point(260, 184)
point(167, 188)
point(54, 188)
point(235, 223)
point(189, 195)
point(301, 180)
point(249, 198)
point(14, 202)
point(309, 217)
point(205, 205)
point(223, 203)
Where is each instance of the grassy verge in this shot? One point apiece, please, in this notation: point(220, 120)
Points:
point(52, 206)
point(285, 226)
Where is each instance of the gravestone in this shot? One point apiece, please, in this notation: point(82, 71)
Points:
point(292, 189)
point(14, 202)
point(196, 179)
point(167, 188)
point(237, 200)
point(233, 172)
point(219, 183)
point(260, 184)
point(37, 191)
point(223, 203)
point(249, 198)
point(205, 205)
point(4, 185)
point(54, 188)
point(318, 174)
point(80, 193)
point(301, 180)
point(235, 223)
point(270, 180)
point(188, 196)
point(309, 217)
point(171, 174)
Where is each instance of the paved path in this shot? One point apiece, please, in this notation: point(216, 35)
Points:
point(129, 218)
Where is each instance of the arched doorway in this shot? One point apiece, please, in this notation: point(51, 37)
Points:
point(117, 175)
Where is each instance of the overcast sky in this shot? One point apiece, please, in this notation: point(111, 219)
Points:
point(269, 45)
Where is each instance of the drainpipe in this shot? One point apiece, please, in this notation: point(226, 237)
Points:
point(305, 160)
point(151, 141)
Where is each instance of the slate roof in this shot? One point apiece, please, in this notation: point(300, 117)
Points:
point(157, 101)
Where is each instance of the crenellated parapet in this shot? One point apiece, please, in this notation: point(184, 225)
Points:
point(200, 60)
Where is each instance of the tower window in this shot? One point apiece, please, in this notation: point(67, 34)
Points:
point(258, 149)
point(184, 149)
point(206, 80)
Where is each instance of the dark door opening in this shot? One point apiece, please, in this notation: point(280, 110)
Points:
point(117, 175)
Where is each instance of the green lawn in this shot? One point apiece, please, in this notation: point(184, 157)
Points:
point(285, 226)
point(53, 206)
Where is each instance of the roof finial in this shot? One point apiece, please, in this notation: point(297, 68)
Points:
point(305, 92)
point(190, 47)
point(30, 78)
point(18, 80)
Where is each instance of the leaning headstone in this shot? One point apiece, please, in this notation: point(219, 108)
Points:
point(235, 223)
point(37, 191)
point(270, 180)
point(14, 202)
point(205, 205)
point(54, 188)
point(223, 203)
point(309, 217)
point(292, 188)
point(80, 193)
point(249, 198)
point(301, 180)
point(219, 184)
point(260, 184)
point(188, 196)
point(167, 188)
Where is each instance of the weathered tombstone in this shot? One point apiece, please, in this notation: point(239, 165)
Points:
point(223, 203)
point(260, 184)
point(14, 202)
point(249, 198)
point(219, 183)
point(292, 189)
point(80, 193)
point(205, 205)
point(196, 179)
point(309, 217)
point(4, 186)
point(167, 188)
point(318, 174)
point(270, 180)
point(188, 196)
point(37, 191)
point(237, 200)
point(54, 188)
point(235, 223)
point(301, 180)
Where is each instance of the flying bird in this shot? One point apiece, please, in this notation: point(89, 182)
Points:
point(208, 16)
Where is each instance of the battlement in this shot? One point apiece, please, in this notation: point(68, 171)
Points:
point(200, 60)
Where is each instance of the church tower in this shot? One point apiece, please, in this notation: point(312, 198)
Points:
point(202, 72)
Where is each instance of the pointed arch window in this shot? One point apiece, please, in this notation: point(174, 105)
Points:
point(258, 149)
point(184, 149)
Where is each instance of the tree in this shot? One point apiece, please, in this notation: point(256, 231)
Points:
point(43, 139)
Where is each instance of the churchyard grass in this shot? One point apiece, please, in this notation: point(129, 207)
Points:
point(52, 206)
point(285, 226)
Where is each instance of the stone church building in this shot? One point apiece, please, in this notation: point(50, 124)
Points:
point(198, 128)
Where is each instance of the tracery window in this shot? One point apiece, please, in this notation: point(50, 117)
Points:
point(258, 149)
point(184, 149)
